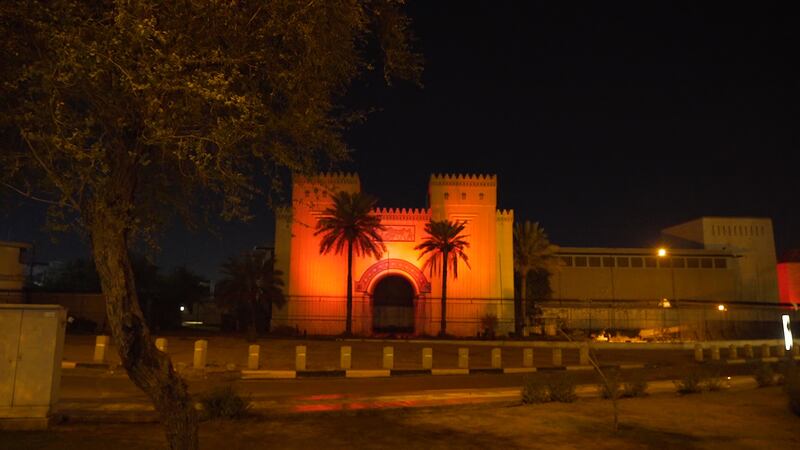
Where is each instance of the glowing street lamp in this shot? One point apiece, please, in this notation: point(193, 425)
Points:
point(662, 252)
point(788, 342)
point(722, 308)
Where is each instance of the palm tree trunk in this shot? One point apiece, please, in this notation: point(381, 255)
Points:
point(523, 299)
point(443, 330)
point(348, 328)
point(148, 368)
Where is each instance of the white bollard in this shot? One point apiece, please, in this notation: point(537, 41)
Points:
point(388, 358)
point(795, 350)
point(715, 353)
point(748, 351)
point(161, 344)
point(732, 353)
point(698, 352)
point(583, 355)
point(300, 357)
point(253, 357)
point(100, 346)
point(497, 358)
point(463, 358)
point(427, 358)
point(765, 351)
point(557, 359)
point(345, 357)
point(200, 352)
point(527, 357)
point(780, 351)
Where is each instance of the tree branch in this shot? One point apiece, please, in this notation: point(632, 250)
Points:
point(29, 195)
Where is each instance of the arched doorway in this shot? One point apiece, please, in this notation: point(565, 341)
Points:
point(393, 305)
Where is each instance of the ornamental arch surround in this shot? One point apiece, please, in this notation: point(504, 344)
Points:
point(375, 272)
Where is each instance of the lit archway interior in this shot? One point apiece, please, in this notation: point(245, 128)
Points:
point(393, 305)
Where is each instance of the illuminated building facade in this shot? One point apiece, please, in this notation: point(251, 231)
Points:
point(394, 294)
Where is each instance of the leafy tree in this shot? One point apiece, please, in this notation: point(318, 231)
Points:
point(252, 284)
point(444, 246)
point(350, 224)
point(533, 254)
point(120, 114)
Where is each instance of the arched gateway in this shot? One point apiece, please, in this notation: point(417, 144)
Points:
point(393, 285)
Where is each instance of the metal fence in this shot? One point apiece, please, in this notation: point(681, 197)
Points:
point(685, 319)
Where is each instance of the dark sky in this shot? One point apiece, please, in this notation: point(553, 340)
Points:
point(605, 123)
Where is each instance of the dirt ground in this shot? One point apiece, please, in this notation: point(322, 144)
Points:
point(756, 418)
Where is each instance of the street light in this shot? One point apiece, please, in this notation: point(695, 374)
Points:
point(722, 308)
point(662, 252)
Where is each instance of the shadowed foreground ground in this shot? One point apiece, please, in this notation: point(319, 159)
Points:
point(744, 419)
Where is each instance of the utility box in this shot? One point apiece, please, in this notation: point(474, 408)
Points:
point(31, 345)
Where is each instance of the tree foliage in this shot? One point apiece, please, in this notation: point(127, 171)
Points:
point(350, 225)
point(118, 114)
point(534, 256)
point(250, 285)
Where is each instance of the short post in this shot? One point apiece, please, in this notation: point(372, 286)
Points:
point(557, 360)
point(583, 355)
point(200, 351)
point(161, 344)
point(388, 358)
point(345, 357)
point(100, 345)
point(732, 353)
point(764, 351)
point(780, 352)
point(497, 358)
point(796, 350)
point(748, 351)
point(715, 353)
point(527, 357)
point(463, 358)
point(253, 356)
point(427, 358)
point(300, 357)
point(698, 352)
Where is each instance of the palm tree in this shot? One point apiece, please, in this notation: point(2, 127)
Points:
point(350, 222)
point(532, 252)
point(444, 246)
point(250, 281)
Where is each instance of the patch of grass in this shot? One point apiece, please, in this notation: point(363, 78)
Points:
point(224, 403)
point(562, 389)
point(534, 391)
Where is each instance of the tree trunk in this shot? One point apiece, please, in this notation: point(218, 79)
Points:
point(523, 298)
point(348, 328)
point(148, 368)
point(443, 330)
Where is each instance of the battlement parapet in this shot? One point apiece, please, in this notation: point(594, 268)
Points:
point(463, 179)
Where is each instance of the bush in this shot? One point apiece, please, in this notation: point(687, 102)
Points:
point(534, 391)
point(225, 403)
point(764, 375)
point(562, 389)
point(489, 325)
point(609, 387)
point(637, 387)
point(691, 382)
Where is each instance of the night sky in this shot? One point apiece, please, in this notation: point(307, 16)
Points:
point(604, 123)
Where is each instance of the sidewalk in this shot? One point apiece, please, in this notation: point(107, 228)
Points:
point(138, 410)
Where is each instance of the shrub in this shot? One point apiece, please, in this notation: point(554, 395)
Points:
point(534, 391)
point(609, 387)
point(562, 389)
point(489, 325)
point(637, 387)
point(764, 375)
point(691, 382)
point(225, 403)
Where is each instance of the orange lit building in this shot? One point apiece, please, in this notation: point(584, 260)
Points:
point(393, 294)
